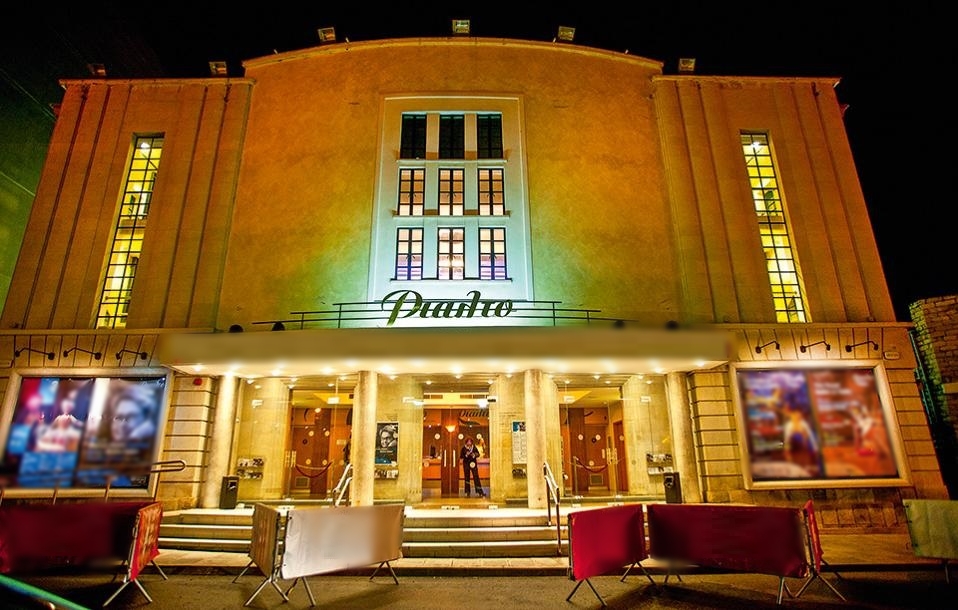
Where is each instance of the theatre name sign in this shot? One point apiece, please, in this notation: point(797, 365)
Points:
point(409, 304)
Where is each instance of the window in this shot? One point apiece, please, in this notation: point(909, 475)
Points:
point(782, 266)
point(451, 192)
point(452, 260)
point(489, 136)
point(127, 243)
point(492, 253)
point(452, 136)
point(491, 192)
point(413, 139)
point(409, 254)
point(411, 191)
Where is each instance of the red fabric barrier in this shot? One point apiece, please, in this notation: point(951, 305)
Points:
point(814, 535)
point(758, 539)
point(42, 536)
point(146, 546)
point(605, 540)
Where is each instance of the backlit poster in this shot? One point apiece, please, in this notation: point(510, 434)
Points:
point(816, 424)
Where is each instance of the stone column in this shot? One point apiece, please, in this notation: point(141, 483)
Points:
point(683, 446)
point(536, 401)
point(221, 441)
point(363, 451)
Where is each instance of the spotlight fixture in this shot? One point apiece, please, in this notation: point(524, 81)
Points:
point(565, 33)
point(142, 355)
point(759, 348)
point(98, 70)
point(460, 27)
point(96, 355)
point(278, 326)
point(326, 35)
point(849, 348)
point(218, 68)
point(804, 348)
point(235, 328)
point(49, 355)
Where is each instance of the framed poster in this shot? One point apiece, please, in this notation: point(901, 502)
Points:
point(81, 431)
point(387, 450)
point(805, 426)
point(519, 455)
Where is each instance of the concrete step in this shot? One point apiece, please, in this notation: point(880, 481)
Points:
point(204, 544)
point(481, 534)
point(519, 548)
point(237, 516)
point(189, 530)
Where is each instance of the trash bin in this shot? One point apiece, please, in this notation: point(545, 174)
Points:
point(673, 488)
point(229, 490)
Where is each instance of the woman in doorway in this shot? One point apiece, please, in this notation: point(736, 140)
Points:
point(469, 456)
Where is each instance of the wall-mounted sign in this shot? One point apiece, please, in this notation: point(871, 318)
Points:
point(409, 303)
point(519, 453)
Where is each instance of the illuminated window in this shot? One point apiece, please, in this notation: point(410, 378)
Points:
point(489, 136)
point(783, 270)
point(451, 192)
point(413, 139)
point(492, 199)
point(492, 253)
point(452, 260)
point(127, 243)
point(411, 191)
point(452, 136)
point(409, 254)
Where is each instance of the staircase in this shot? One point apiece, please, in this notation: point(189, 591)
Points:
point(427, 533)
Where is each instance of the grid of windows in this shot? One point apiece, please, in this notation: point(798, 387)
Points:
point(783, 270)
point(451, 192)
point(412, 185)
point(492, 198)
point(492, 253)
point(489, 136)
point(409, 254)
point(127, 243)
point(452, 136)
point(412, 144)
point(452, 259)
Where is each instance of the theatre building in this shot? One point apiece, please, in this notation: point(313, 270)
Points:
point(362, 254)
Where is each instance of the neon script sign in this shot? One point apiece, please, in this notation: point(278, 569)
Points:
point(409, 303)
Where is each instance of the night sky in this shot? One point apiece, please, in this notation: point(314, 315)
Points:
point(895, 61)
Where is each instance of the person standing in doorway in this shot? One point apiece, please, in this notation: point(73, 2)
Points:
point(469, 456)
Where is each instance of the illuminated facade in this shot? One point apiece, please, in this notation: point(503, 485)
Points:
point(585, 263)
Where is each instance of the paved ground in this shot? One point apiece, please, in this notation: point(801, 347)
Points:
point(917, 588)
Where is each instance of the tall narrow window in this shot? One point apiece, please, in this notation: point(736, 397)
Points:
point(492, 253)
point(412, 183)
point(451, 192)
point(492, 199)
point(452, 136)
point(783, 270)
point(127, 243)
point(452, 262)
point(412, 144)
point(409, 254)
point(489, 136)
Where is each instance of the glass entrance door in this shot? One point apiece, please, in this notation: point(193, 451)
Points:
point(444, 432)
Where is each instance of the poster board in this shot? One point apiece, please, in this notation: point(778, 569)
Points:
point(519, 448)
point(387, 450)
point(807, 425)
point(323, 539)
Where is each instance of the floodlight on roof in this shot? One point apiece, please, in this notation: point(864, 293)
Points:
point(218, 68)
point(460, 27)
point(326, 35)
point(98, 70)
point(565, 33)
point(687, 64)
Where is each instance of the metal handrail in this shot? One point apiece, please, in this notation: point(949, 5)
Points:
point(552, 487)
point(340, 490)
point(157, 468)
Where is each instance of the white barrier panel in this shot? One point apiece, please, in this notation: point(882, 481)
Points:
point(329, 539)
point(933, 527)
